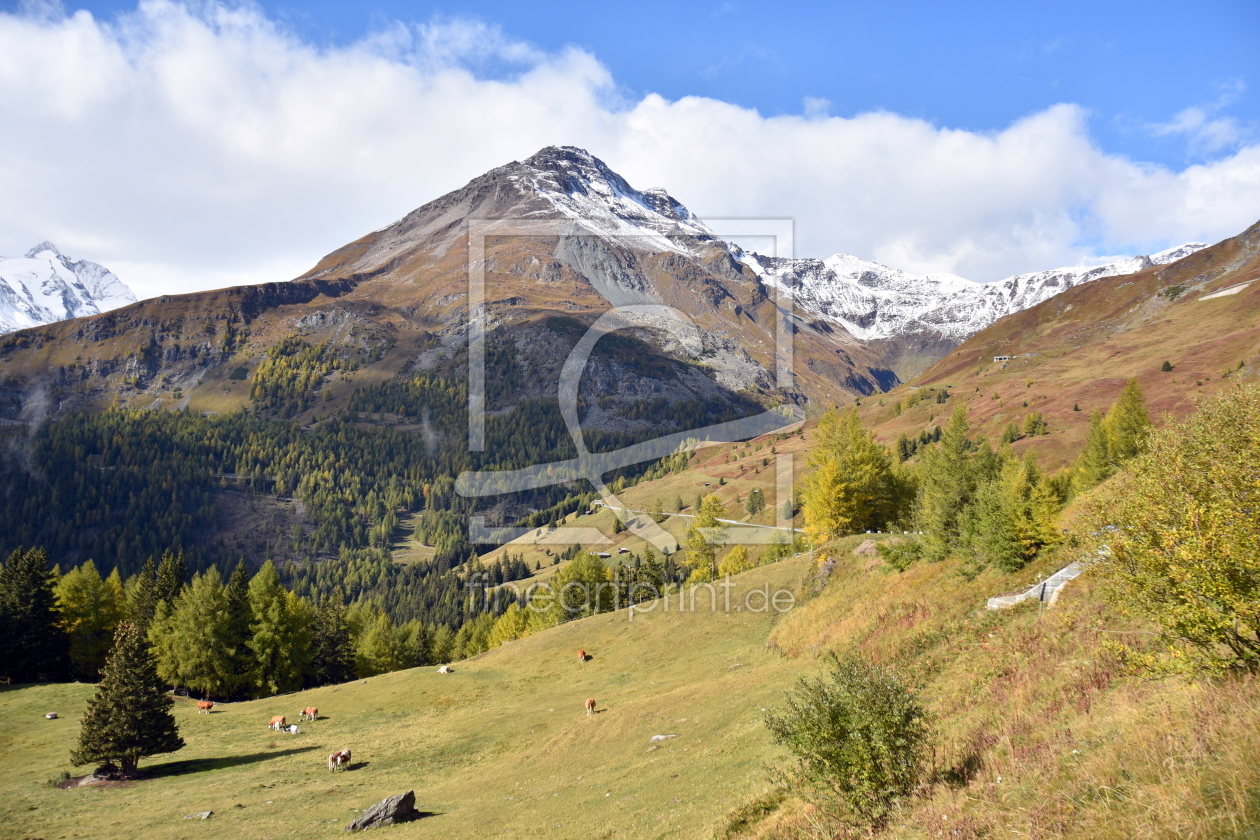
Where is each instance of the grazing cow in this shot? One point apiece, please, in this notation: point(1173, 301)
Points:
point(204, 706)
point(590, 706)
point(581, 656)
point(309, 713)
point(292, 729)
point(337, 759)
point(277, 723)
point(445, 669)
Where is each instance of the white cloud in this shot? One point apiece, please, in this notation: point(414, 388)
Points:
point(1202, 126)
point(193, 149)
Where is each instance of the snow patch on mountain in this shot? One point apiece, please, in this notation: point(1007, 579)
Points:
point(869, 300)
point(584, 189)
point(46, 286)
point(872, 301)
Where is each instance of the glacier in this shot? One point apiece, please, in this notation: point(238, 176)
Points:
point(45, 286)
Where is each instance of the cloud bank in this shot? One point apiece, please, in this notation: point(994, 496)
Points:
point(194, 147)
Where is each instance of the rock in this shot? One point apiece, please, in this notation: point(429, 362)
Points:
point(202, 816)
point(656, 738)
point(395, 809)
point(51, 715)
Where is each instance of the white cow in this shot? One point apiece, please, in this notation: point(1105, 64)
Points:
point(445, 669)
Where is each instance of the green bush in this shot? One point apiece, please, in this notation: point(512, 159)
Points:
point(859, 737)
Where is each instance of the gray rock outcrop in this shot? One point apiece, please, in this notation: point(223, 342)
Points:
point(394, 809)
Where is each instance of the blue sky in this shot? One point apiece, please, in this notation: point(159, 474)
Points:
point(981, 139)
point(976, 66)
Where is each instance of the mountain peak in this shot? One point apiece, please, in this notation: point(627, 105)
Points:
point(585, 189)
point(46, 286)
point(44, 247)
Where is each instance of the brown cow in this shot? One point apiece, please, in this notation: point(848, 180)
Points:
point(309, 713)
point(277, 723)
point(337, 759)
point(590, 706)
point(204, 706)
point(581, 656)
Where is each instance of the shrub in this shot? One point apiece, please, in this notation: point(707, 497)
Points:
point(858, 736)
point(1179, 540)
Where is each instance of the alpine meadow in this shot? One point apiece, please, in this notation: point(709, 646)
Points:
point(556, 508)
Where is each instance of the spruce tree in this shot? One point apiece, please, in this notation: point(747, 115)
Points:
point(332, 653)
point(142, 594)
point(33, 646)
point(130, 715)
point(237, 637)
point(172, 573)
point(422, 644)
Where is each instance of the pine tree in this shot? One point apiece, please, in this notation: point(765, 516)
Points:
point(853, 487)
point(756, 502)
point(130, 715)
point(705, 533)
point(1127, 424)
point(442, 648)
point(374, 653)
point(422, 644)
point(90, 609)
point(735, 561)
point(190, 639)
point(510, 626)
point(237, 638)
point(33, 646)
point(946, 487)
point(142, 594)
point(1094, 466)
point(332, 653)
point(172, 573)
point(279, 634)
point(1013, 515)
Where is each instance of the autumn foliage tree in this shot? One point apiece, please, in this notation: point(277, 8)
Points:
point(1178, 539)
point(853, 486)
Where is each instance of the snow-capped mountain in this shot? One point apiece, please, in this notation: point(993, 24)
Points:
point(869, 300)
point(46, 286)
point(584, 189)
point(872, 301)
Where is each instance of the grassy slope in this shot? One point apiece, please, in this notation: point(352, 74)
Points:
point(1040, 732)
point(502, 746)
point(1080, 347)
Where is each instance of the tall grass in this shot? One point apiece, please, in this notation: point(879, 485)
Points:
point(1041, 733)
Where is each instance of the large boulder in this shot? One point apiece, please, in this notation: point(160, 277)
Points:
point(394, 809)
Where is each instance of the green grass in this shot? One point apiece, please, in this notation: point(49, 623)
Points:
point(500, 747)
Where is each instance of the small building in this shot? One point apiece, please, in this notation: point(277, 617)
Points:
point(604, 555)
point(623, 550)
point(1002, 358)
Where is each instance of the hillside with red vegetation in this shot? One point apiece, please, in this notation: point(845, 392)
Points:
point(1201, 314)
